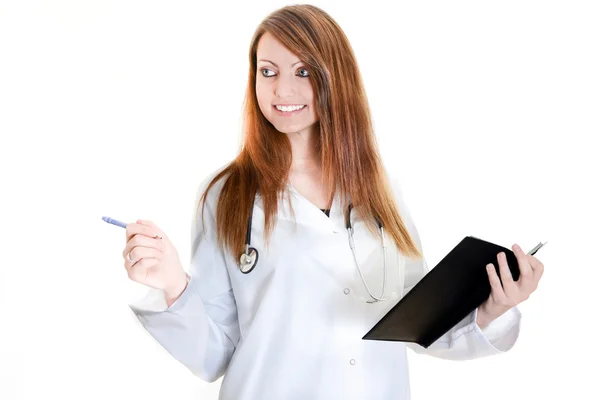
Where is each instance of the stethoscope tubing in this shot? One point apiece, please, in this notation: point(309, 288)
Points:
point(249, 259)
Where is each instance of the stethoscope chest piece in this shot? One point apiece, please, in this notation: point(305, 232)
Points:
point(248, 260)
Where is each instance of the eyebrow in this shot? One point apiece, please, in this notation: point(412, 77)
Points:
point(297, 62)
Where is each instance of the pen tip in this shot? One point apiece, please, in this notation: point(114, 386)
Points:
point(105, 219)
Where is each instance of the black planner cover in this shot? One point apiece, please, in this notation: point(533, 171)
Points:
point(452, 289)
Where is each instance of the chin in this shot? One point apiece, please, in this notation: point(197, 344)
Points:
point(291, 129)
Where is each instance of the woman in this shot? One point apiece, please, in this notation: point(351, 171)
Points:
point(292, 327)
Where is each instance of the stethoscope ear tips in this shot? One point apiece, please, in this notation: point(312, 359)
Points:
point(248, 260)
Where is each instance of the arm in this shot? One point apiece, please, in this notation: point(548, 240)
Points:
point(200, 328)
point(466, 340)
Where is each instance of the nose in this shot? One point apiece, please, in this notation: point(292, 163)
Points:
point(284, 86)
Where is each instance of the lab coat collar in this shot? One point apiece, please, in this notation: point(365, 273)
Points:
point(307, 213)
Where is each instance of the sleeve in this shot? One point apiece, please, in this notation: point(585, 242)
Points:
point(200, 329)
point(466, 340)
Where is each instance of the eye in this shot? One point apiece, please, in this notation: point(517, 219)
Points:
point(263, 71)
point(304, 69)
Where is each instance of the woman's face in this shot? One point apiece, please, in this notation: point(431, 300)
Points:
point(282, 80)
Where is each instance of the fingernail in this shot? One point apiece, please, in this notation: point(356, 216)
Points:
point(516, 247)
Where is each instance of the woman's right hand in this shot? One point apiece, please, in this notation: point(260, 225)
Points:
point(155, 260)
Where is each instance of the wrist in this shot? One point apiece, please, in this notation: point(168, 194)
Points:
point(172, 292)
point(483, 318)
point(485, 315)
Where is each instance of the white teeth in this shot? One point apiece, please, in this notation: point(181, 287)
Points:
point(288, 108)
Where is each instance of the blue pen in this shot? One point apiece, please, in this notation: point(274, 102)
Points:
point(122, 224)
point(114, 222)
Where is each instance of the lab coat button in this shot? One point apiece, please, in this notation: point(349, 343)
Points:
point(352, 362)
point(346, 291)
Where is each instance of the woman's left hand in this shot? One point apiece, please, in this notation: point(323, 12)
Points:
point(504, 298)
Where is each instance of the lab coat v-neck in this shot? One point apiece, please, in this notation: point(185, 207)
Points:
point(293, 327)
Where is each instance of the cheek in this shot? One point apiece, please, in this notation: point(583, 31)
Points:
point(263, 99)
point(310, 96)
point(313, 114)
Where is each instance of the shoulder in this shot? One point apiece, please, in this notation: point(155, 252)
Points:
point(210, 200)
point(396, 186)
point(215, 190)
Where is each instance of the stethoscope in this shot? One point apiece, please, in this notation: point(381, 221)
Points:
point(249, 258)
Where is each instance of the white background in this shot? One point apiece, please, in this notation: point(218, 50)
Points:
point(488, 111)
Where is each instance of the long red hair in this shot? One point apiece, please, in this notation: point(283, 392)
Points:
point(347, 146)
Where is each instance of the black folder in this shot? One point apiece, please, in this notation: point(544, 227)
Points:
point(451, 290)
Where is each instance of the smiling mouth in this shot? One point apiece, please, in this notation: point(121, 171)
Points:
point(292, 112)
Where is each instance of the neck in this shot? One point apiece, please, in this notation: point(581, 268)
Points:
point(305, 157)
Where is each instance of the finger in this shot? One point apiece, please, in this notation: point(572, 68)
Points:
point(524, 266)
point(129, 265)
point(143, 241)
point(538, 268)
point(497, 291)
point(156, 229)
point(510, 287)
point(138, 252)
point(135, 228)
point(141, 267)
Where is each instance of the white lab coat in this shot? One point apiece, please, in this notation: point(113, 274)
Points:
point(293, 327)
